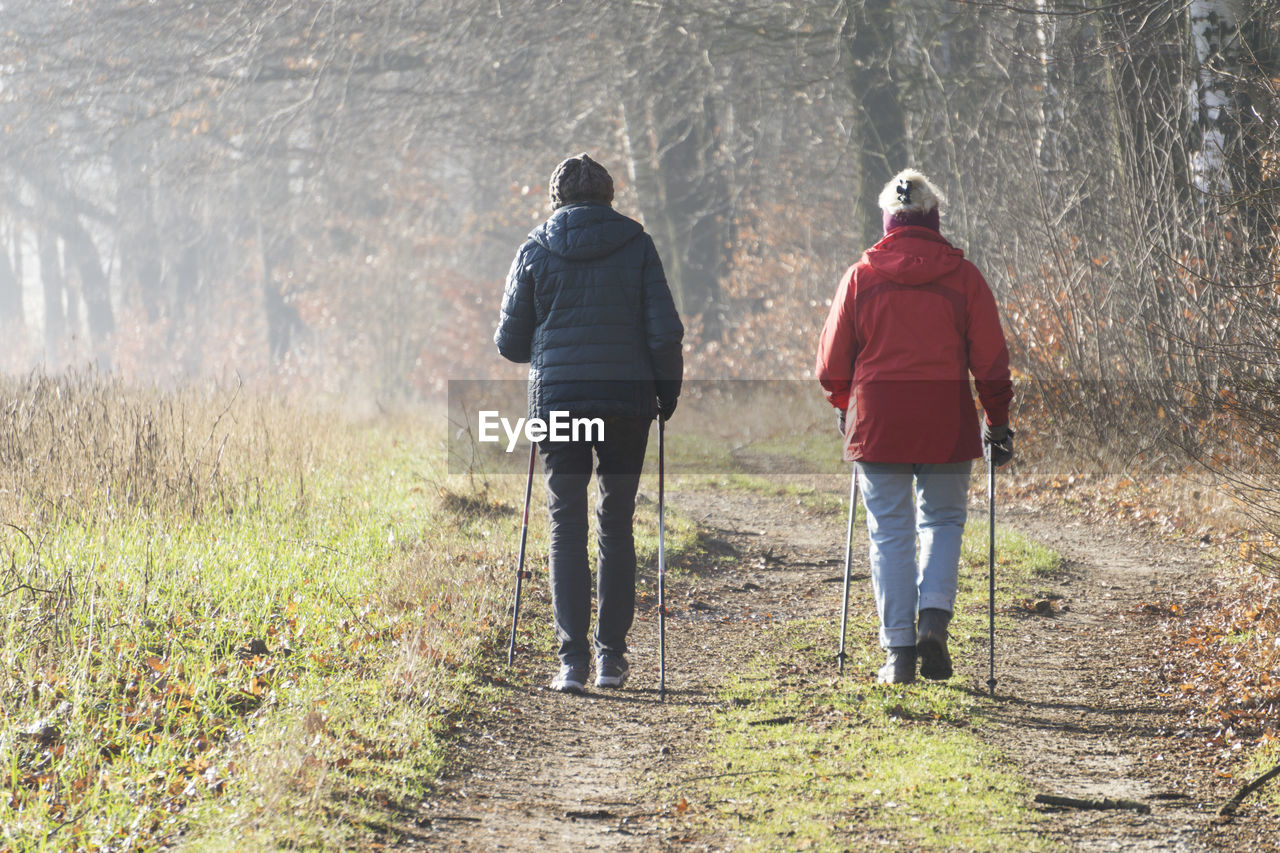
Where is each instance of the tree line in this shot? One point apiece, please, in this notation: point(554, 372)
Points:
point(330, 194)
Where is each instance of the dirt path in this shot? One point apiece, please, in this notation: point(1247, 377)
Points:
point(1079, 713)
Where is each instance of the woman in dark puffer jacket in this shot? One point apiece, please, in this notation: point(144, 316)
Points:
point(587, 306)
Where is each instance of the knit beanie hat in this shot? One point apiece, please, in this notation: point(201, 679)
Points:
point(580, 179)
point(910, 199)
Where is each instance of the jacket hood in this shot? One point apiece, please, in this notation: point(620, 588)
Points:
point(584, 231)
point(914, 255)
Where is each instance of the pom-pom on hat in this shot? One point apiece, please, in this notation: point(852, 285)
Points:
point(910, 199)
point(580, 179)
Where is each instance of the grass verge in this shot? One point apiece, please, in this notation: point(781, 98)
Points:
point(1263, 760)
point(230, 623)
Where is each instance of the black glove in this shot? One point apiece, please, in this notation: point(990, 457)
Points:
point(840, 422)
point(666, 409)
point(999, 439)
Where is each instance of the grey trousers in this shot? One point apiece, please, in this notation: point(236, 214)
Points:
point(618, 458)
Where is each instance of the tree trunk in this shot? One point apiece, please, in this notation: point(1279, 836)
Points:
point(55, 318)
point(674, 124)
point(1215, 47)
point(11, 310)
point(698, 200)
point(282, 318)
point(94, 287)
point(881, 122)
point(640, 138)
point(185, 275)
point(1052, 117)
point(686, 198)
point(140, 242)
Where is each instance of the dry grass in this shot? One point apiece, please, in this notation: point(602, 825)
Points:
point(85, 444)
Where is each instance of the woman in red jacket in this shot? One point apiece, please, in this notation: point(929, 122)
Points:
point(911, 320)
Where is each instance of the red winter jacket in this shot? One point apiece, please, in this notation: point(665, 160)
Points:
point(910, 321)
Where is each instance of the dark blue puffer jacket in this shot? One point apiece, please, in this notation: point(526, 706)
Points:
point(588, 307)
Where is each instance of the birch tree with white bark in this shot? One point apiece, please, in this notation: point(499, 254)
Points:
point(1216, 48)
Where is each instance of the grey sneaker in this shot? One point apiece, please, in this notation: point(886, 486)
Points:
point(931, 644)
point(611, 671)
point(899, 666)
point(572, 678)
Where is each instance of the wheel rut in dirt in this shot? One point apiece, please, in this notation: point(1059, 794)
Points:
point(1077, 711)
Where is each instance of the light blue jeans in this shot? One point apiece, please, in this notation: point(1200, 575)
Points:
point(904, 583)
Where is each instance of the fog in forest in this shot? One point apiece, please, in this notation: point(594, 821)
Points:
point(326, 196)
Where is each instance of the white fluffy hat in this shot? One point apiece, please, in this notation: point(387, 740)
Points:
point(910, 192)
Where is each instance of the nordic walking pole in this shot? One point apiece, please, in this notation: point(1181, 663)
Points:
point(521, 574)
point(991, 565)
point(848, 564)
point(662, 567)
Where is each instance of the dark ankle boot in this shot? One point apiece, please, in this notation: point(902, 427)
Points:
point(931, 644)
point(899, 666)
